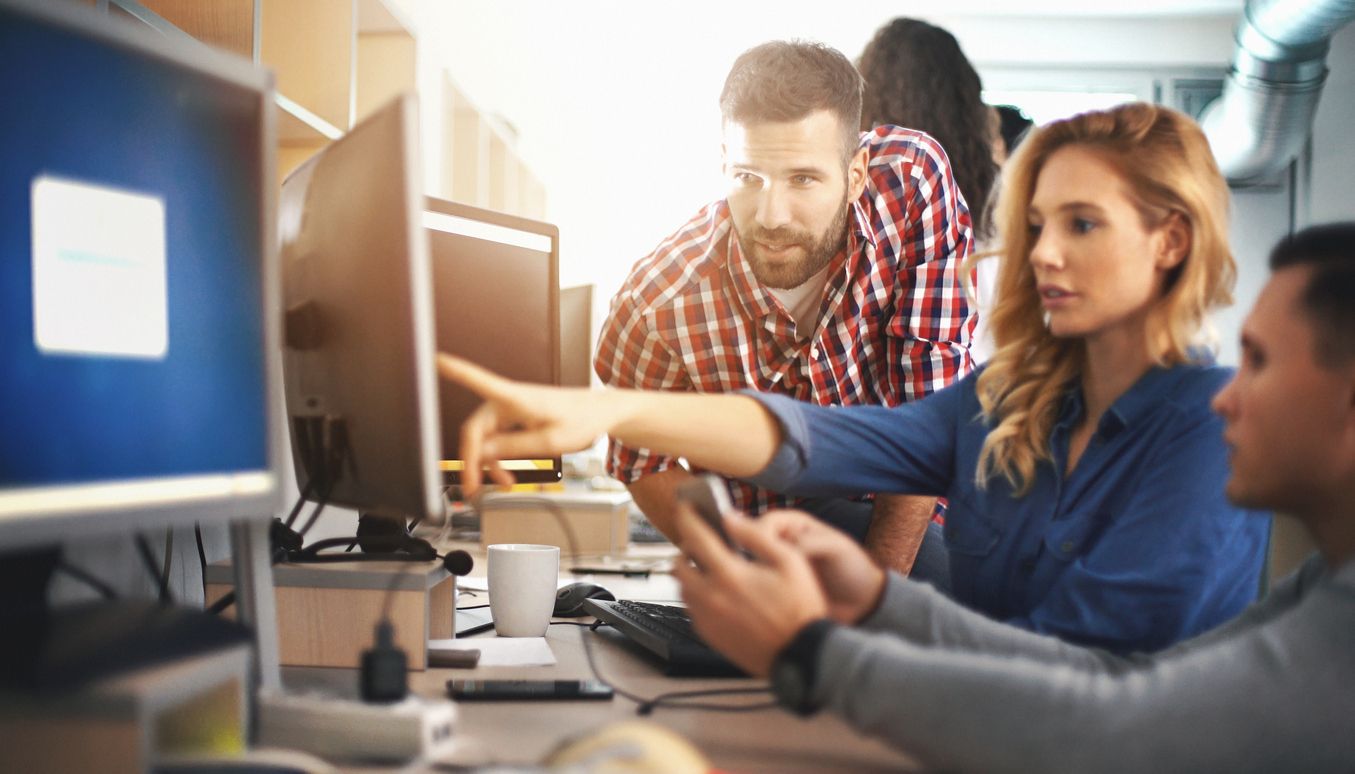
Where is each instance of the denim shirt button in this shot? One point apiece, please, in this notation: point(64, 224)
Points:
point(1066, 546)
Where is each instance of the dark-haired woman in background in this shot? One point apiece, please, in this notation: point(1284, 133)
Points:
point(917, 77)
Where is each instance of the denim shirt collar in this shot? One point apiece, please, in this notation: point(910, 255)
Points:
point(1141, 398)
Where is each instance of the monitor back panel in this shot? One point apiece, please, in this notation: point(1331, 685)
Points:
point(359, 308)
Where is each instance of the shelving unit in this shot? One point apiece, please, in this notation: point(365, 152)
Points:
point(482, 167)
point(335, 62)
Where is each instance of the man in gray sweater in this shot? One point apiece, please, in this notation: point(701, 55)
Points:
point(1272, 690)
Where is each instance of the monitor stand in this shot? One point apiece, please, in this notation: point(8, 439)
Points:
point(45, 648)
point(67, 648)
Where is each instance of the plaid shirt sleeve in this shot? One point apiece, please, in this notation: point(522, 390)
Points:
point(630, 356)
point(933, 320)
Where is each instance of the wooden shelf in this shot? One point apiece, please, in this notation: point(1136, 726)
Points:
point(336, 61)
point(299, 126)
point(379, 16)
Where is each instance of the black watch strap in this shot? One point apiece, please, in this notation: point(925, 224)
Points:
point(796, 667)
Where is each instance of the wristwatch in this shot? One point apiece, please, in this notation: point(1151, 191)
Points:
point(796, 667)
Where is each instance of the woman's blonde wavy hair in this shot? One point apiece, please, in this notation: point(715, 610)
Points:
point(1165, 161)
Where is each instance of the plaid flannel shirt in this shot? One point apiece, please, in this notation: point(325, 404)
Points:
point(894, 324)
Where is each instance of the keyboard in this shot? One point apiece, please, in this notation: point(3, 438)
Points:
point(665, 631)
point(642, 531)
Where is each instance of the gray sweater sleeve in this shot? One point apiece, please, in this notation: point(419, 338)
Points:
point(1270, 691)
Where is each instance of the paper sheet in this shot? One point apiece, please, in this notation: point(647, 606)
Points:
point(503, 651)
point(470, 583)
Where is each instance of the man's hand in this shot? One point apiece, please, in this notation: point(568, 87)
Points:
point(520, 421)
point(747, 610)
point(851, 582)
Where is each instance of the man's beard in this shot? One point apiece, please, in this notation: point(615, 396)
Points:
point(817, 252)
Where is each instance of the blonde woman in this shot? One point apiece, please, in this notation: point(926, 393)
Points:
point(1084, 468)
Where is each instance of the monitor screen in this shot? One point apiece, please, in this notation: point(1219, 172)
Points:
point(135, 277)
point(576, 336)
point(496, 294)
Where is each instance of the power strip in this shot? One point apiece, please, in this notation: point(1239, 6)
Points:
point(347, 730)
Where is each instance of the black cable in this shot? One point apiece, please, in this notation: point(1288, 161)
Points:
point(670, 700)
point(277, 554)
point(228, 598)
point(202, 557)
point(300, 501)
point(315, 514)
point(148, 559)
point(312, 438)
point(479, 607)
point(350, 558)
point(75, 572)
point(644, 706)
point(169, 557)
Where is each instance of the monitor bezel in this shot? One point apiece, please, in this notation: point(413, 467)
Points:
point(440, 206)
point(56, 513)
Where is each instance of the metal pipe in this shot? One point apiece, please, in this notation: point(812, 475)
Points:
point(1265, 114)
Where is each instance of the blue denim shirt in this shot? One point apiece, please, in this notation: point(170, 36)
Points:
point(1134, 550)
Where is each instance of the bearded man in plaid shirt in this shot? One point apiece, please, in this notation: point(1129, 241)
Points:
point(831, 272)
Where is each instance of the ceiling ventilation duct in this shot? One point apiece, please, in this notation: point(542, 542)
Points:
point(1265, 114)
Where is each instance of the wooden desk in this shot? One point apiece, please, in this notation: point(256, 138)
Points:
point(523, 732)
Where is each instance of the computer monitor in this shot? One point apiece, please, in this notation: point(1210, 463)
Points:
point(576, 336)
point(359, 344)
point(496, 292)
point(137, 280)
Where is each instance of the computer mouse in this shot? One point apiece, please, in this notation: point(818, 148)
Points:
point(569, 598)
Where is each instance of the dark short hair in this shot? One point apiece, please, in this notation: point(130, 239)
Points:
point(786, 80)
point(1014, 125)
point(1329, 298)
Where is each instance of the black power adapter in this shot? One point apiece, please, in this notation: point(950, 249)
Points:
point(383, 668)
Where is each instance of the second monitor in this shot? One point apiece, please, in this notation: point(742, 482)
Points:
point(496, 298)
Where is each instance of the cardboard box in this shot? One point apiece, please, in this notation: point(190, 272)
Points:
point(327, 613)
point(600, 521)
point(128, 721)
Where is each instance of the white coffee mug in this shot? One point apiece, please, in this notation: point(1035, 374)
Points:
point(522, 582)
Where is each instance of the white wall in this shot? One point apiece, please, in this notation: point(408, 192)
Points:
point(616, 103)
point(1330, 195)
point(1321, 192)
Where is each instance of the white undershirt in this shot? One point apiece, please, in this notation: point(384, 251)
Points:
point(803, 302)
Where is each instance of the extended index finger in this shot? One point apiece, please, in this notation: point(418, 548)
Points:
point(473, 431)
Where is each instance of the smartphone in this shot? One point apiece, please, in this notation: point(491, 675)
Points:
point(528, 690)
point(710, 498)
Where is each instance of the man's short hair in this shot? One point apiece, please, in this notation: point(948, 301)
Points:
point(1329, 298)
point(786, 80)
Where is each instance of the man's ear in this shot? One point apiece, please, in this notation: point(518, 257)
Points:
point(1174, 238)
point(856, 175)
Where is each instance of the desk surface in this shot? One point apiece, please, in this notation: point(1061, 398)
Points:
point(523, 732)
